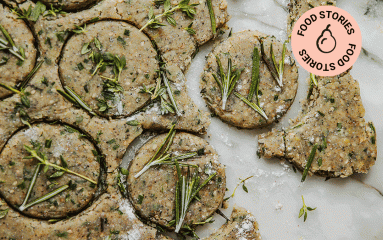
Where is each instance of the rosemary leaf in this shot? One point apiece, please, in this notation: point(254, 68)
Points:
point(254, 87)
point(30, 187)
point(212, 17)
point(31, 74)
point(309, 162)
point(313, 79)
point(44, 198)
point(252, 105)
point(78, 100)
point(170, 93)
point(271, 63)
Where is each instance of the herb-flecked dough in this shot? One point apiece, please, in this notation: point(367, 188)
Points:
point(153, 193)
point(273, 99)
point(332, 120)
point(18, 171)
point(14, 71)
point(118, 38)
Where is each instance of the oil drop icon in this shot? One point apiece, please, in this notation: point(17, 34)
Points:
point(326, 42)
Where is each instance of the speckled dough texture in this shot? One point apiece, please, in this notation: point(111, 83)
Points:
point(69, 5)
point(109, 214)
point(242, 225)
point(141, 66)
point(275, 101)
point(331, 117)
point(11, 72)
point(18, 172)
point(298, 7)
point(157, 184)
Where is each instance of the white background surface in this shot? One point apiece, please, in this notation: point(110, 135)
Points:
point(346, 208)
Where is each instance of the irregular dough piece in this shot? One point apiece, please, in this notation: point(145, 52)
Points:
point(275, 101)
point(242, 225)
point(298, 7)
point(11, 72)
point(157, 184)
point(332, 117)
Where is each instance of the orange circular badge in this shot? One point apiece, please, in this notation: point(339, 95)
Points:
point(326, 41)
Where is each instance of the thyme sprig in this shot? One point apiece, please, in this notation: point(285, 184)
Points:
point(254, 106)
point(30, 14)
point(242, 181)
point(184, 6)
point(4, 213)
point(275, 68)
point(13, 49)
point(24, 100)
point(23, 95)
point(164, 92)
point(187, 189)
point(79, 29)
point(162, 157)
point(35, 153)
point(71, 96)
point(309, 162)
point(226, 82)
point(54, 11)
point(304, 209)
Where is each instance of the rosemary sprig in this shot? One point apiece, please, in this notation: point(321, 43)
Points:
point(187, 188)
point(17, 52)
point(212, 17)
point(168, 160)
point(162, 149)
point(243, 187)
point(37, 154)
point(45, 197)
point(70, 95)
point(226, 82)
point(164, 93)
point(184, 6)
point(304, 209)
point(275, 69)
point(252, 105)
point(309, 162)
point(30, 187)
point(254, 87)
